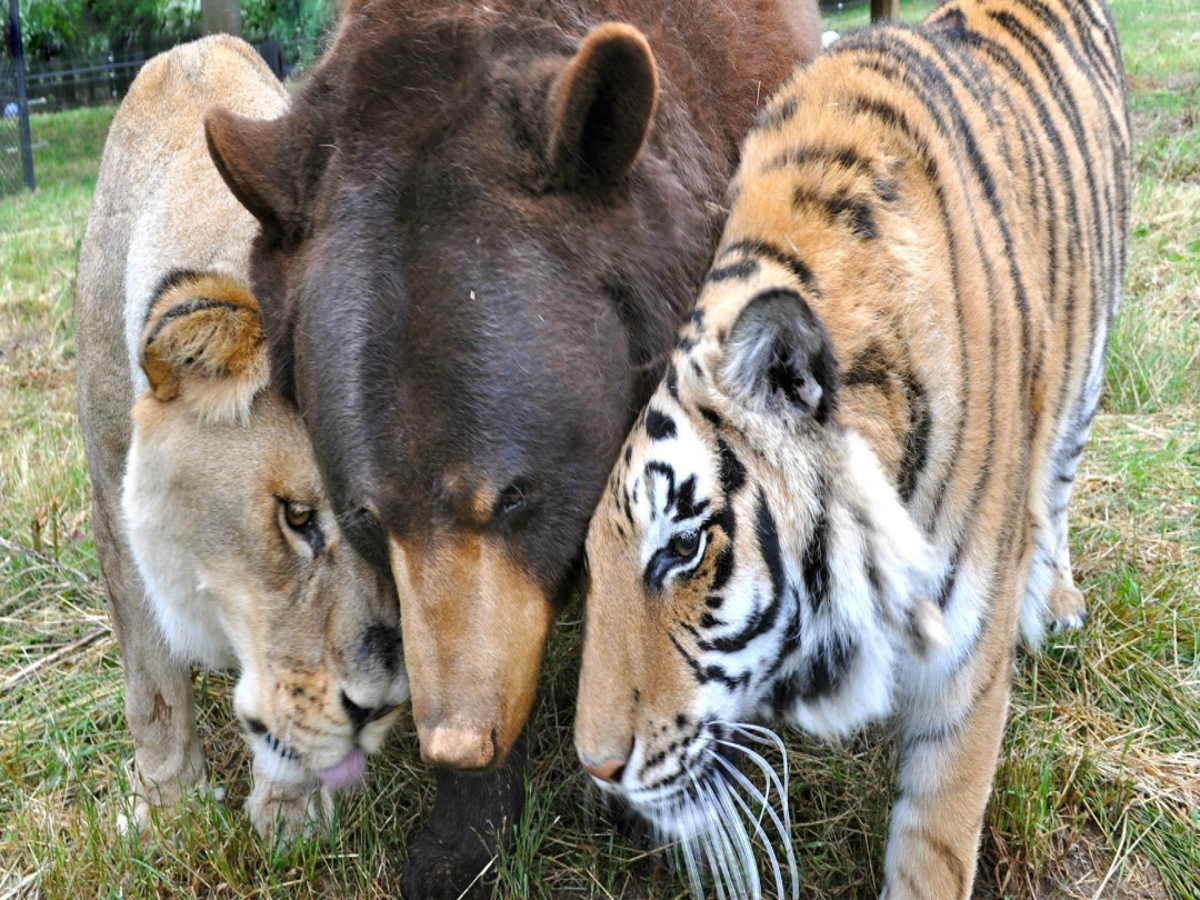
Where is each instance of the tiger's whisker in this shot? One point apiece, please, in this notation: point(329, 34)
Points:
point(717, 860)
point(766, 841)
point(784, 830)
point(688, 849)
point(716, 834)
point(762, 765)
point(733, 819)
point(737, 842)
point(765, 735)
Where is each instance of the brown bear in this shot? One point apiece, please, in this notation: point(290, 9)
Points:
point(480, 227)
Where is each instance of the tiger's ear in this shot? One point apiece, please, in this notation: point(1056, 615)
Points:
point(202, 343)
point(779, 356)
point(601, 107)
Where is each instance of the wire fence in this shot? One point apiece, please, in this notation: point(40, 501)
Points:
point(69, 83)
point(56, 127)
point(16, 152)
point(54, 112)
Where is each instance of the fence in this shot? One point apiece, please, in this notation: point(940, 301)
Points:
point(69, 83)
point(16, 151)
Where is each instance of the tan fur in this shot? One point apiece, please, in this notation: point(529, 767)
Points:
point(898, 212)
point(491, 685)
point(212, 348)
point(191, 461)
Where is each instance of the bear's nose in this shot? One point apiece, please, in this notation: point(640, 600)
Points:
point(610, 770)
point(362, 715)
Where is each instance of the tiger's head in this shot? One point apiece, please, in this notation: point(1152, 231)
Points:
point(748, 560)
point(236, 541)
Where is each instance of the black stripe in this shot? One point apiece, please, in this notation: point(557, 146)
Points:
point(828, 666)
point(768, 543)
point(1074, 250)
point(686, 505)
point(733, 473)
point(736, 271)
point(659, 426)
point(916, 438)
point(815, 563)
point(788, 260)
point(857, 212)
point(200, 304)
point(171, 280)
point(873, 366)
point(775, 114)
point(895, 119)
point(722, 572)
point(709, 673)
point(925, 89)
point(1065, 100)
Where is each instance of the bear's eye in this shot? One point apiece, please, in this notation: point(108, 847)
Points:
point(298, 516)
point(512, 498)
point(686, 544)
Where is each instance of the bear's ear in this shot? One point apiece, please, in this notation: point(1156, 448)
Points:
point(203, 343)
point(257, 159)
point(779, 356)
point(601, 107)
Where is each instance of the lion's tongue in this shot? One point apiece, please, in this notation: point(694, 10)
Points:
point(349, 774)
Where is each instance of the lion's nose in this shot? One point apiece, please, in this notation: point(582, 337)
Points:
point(362, 715)
point(609, 770)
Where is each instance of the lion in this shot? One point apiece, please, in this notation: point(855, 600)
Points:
point(217, 542)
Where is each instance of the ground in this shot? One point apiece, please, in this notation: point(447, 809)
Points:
point(1098, 791)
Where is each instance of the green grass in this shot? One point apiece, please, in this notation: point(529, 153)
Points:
point(1100, 777)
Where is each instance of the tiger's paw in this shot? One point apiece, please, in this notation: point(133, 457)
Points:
point(1067, 607)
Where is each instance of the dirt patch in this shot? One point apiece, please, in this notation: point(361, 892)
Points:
point(1087, 870)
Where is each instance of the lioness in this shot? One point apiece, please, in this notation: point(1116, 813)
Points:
point(212, 528)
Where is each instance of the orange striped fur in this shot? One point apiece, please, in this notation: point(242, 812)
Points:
point(848, 497)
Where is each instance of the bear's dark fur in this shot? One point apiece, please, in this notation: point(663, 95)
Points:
point(481, 224)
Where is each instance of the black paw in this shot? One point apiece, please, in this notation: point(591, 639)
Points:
point(449, 858)
point(439, 871)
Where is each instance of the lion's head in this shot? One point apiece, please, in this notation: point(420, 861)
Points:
point(239, 548)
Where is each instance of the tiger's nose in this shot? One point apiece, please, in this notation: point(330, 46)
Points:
point(610, 770)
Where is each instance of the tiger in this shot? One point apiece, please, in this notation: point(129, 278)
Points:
point(847, 498)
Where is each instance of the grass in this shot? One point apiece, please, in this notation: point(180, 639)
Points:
point(1098, 791)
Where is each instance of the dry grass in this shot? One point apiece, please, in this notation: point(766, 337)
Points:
point(1098, 793)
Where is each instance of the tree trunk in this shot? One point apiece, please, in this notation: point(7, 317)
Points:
point(885, 9)
point(221, 16)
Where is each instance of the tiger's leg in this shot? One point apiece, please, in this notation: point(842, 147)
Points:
point(1066, 606)
point(1051, 598)
point(946, 769)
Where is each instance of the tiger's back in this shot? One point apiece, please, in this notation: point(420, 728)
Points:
point(944, 211)
point(959, 196)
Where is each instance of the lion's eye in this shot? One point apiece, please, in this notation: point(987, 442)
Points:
point(298, 516)
point(686, 544)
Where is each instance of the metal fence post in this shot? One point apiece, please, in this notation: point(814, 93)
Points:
point(22, 101)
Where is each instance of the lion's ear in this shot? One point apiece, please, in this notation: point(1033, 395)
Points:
point(203, 343)
point(601, 107)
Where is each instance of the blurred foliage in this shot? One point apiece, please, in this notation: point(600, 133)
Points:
point(90, 28)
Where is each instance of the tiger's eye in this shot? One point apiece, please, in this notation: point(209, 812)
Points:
point(686, 544)
point(298, 516)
